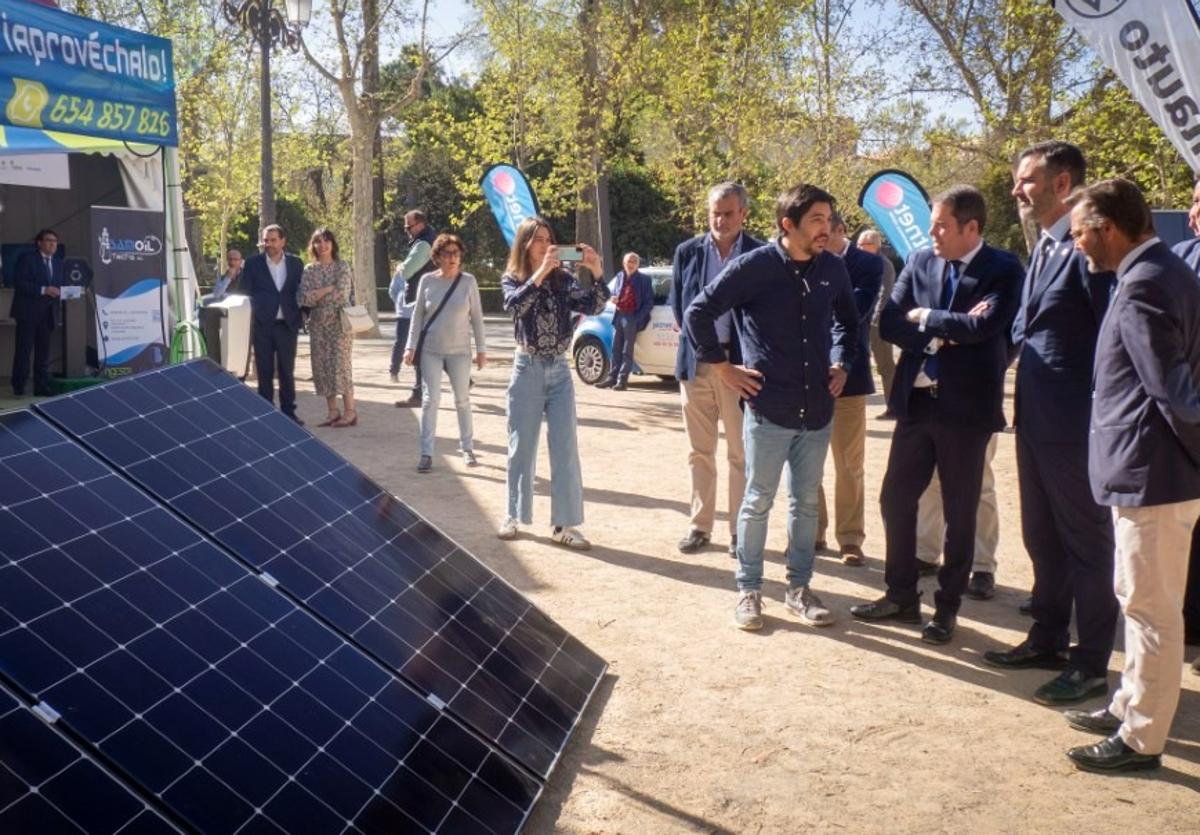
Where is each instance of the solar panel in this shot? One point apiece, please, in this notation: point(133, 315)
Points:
point(48, 784)
point(217, 696)
point(344, 548)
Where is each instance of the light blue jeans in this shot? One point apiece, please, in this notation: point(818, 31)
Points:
point(543, 387)
point(458, 367)
point(768, 447)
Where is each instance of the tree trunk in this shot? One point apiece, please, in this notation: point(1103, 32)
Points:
point(362, 146)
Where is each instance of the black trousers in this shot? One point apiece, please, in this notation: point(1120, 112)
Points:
point(32, 337)
point(1070, 541)
point(922, 442)
point(275, 347)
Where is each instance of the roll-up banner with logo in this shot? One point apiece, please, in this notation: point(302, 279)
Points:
point(62, 72)
point(512, 200)
point(130, 289)
point(898, 204)
point(1154, 48)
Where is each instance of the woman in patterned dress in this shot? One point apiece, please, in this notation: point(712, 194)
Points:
point(325, 287)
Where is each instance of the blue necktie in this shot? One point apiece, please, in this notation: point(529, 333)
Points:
point(49, 271)
point(948, 287)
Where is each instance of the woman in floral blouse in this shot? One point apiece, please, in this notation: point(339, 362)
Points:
point(325, 287)
point(542, 296)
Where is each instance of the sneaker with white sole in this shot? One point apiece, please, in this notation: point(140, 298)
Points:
point(571, 538)
point(804, 604)
point(748, 614)
point(469, 458)
point(509, 529)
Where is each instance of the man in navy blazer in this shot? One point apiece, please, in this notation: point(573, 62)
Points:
point(36, 283)
point(1067, 534)
point(272, 281)
point(1143, 461)
point(1189, 251)
point(705, 399)
point(950, 313)
point(848, 441)
point(633, 298)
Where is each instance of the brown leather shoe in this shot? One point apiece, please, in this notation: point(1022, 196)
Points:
point(852, 555)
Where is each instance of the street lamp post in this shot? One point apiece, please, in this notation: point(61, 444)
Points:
point(263, 21)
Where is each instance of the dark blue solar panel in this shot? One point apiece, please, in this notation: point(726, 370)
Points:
point(345, 548)
point(214, 693)
point(49, 785)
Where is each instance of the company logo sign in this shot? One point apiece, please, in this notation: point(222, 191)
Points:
point(890, 195)
point(1096, 8)
point(127, 249)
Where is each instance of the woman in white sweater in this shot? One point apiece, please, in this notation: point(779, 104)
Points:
point(447, 314)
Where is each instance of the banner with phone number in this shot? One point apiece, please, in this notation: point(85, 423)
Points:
point(62, 72)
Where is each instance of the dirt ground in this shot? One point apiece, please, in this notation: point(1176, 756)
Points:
point(700, 727)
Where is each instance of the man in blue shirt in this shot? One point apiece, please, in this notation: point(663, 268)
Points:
point(784, 297)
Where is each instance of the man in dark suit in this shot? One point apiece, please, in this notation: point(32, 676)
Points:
point(633, 297)
point(950, 313)
point(848, 441)
point(272, 281)
point(1067, 534)
point(1143, 461)
point(705, 399)
point(35, 307)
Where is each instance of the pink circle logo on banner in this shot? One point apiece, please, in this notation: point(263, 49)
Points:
point(889, 194)
point(504, 183)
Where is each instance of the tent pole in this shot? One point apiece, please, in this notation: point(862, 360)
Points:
point(186, 340)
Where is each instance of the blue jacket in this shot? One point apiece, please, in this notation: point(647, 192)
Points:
point(265, 300)
point(973, 359)
point(29, 303)
point(866, 277)
point(786, 330)
point(1189, 251)
point(1055, 332)
point(643, 294)
point(688, 271)
point(1144, 446)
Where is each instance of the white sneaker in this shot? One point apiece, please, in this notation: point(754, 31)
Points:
point(508, 530)
point(748, 614)
point(571, 538)
point(469, 458)
point(804, 604)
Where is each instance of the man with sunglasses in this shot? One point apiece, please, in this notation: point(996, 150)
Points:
point(403, 291)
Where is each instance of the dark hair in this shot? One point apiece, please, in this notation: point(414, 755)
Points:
point(321, 234)
point(37, 239)
point(796, 202)
point(966, 203)
point(518, 256)
point(444, 241)
point(1116, 201)
point(274, 227)
point(836, 221)
point(1057, 157)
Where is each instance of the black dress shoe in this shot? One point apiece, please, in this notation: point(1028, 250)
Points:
point(694, 541)
point(620, 387)
point(1070, 688)
point(888, 415)
point(927, 569)
point(982, 586)
point(733, 546)
point(940, 629)
point(43, 392)
point(884, 609)
point(1023, 657)
point(414, 400)
point(1096, 721)
point(606, 384)
point(1026, 607)
point(1112, 755)
point(820, 545)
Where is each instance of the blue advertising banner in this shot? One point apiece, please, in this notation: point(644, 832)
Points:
point(898, 204)
point(62, 72)
point(130, 289)
point(508, 193)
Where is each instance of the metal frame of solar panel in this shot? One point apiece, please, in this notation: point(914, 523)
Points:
point(344, 547)
point(228, 706)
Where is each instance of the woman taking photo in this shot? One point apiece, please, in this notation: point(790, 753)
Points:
point(446, 316)
point(542, 296)
point(325, 288)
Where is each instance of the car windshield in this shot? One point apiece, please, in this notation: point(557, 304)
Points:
point(660, 278)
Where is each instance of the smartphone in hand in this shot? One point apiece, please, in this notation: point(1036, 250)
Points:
point(568, 253)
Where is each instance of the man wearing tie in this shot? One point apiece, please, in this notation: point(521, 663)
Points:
point(272, 279)
point(35, 308)
point(1143, 461)
point(1068, 535)
point(950, 313)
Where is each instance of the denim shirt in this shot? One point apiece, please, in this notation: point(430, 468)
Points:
point(542, 314)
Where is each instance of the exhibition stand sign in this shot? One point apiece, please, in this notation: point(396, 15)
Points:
point(130, 289)
point(62, 72)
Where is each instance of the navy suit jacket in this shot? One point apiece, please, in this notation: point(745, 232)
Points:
point(643, 295)
point(974, 357)
point(30, 304)
point(866, 277)
point(1189, 251)
point(265, 300)
point(1055, 331)
point(688, 270)
point(1144, 447)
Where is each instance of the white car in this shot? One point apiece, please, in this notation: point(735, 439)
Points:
point(656, 346)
